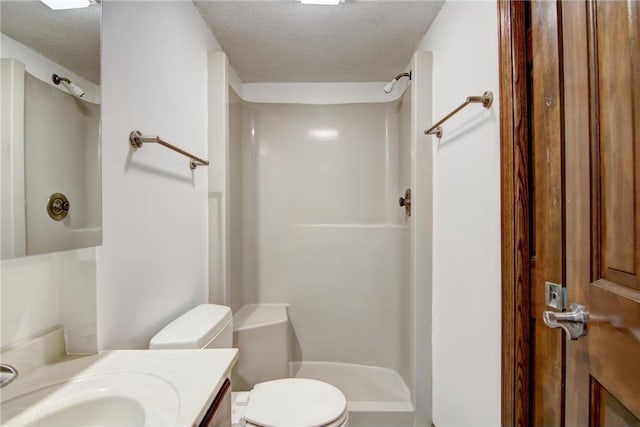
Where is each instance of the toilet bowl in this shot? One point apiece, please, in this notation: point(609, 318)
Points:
point(287, 402)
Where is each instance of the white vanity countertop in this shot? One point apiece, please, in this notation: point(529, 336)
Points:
point(159, 387)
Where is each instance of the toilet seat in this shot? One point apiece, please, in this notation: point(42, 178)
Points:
point(296, 402)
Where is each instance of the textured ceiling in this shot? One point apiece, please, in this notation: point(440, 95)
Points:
point(267, 41)
point(70, 38)
point(285, 41)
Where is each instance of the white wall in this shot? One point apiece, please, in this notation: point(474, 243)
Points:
point(42, 291)
point(153, 262)
point(466, 292)
point(12, 209)
point(242, 229)
point(421, 239)
point(220, 75)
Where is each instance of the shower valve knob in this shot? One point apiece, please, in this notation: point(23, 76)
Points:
point(58, 206)
point(406, 201)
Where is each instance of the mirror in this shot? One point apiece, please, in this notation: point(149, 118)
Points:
point(50, 183)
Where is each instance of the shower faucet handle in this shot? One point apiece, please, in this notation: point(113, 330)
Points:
point(58, 206)
point(406, 201)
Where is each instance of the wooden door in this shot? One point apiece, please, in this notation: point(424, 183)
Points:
point(544, 58)
point(601, 85)
point(584, 120)
point(589, 63)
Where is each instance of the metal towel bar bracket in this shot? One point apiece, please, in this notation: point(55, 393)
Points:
point(486, 100)
point(136, 139)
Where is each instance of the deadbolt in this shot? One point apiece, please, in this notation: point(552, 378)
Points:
point(406, 202)
point(58, 206)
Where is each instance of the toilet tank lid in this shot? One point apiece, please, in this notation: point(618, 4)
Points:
point(194, 329)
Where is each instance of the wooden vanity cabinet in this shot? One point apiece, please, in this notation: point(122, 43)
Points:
point(219, 413)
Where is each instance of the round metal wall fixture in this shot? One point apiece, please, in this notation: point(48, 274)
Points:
point(487, 99)
point(58, 206)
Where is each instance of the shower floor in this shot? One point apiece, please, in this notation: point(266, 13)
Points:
point(376, 397)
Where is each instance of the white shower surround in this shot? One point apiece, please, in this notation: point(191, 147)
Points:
point(76, 146)
point(305, 212)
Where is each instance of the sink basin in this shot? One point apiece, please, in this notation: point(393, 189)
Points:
point(115, 400)
point(103, 411)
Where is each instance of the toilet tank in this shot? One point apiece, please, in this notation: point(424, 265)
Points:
point(204, 326)
point(261, 334)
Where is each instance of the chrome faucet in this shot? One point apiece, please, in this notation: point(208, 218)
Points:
point(7, 374)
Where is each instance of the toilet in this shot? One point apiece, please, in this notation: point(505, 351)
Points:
point(283, 402)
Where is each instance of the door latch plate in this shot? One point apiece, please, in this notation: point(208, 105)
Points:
point(555, 296)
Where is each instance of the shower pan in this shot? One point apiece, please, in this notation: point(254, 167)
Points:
point(308, 215)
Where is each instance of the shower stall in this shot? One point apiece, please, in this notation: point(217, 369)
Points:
point(305, 211)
